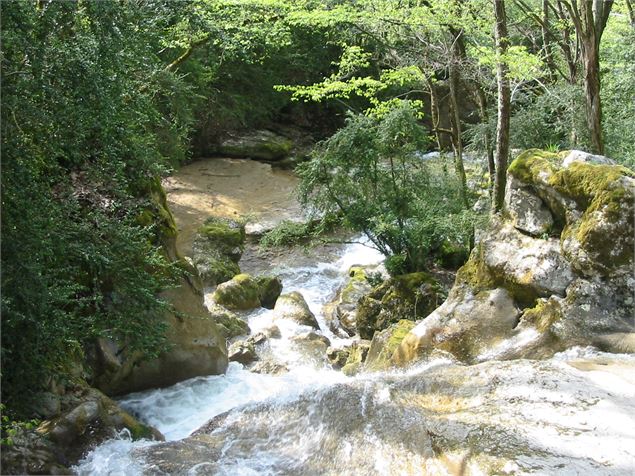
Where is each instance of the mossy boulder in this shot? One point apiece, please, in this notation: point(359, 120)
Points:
point(229, 324)
point(262, 145)
point(92, 419)
point(240, 293)
point(384, 345)
point(345, 304)
point(217, 248)
point(409, 296)
point(269, 289)
point(591, 199)
point(357, 353)
point(553, 271)
point(292, 306)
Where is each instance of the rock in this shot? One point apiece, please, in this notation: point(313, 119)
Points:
point(48, 404)
point(30, 453)
point(337, 356)
point(230, 325)
point(92, 420)
point(217, 248)
point(527, 211)
point(272, 332)
point(269, 289)
point(521, 296)
point(409, 296)
point(269, 367)
point(311, 336)
point(512, 417)
point(345, 304)
point(585, 157)
point(357, 353)
point(195, 345)
point(243, 352)
point(262, 144)
point(292, 306)
point(240, 293)
point(385, 343)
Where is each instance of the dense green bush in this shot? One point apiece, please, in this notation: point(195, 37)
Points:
point(82, 131)
point(369, 172)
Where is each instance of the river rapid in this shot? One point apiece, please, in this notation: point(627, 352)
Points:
point(573, 414)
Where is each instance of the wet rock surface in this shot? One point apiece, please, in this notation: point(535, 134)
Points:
point(432, 421)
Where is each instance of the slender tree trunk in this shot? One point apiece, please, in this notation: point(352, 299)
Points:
point(502, 126)
point(434, 109)
point(458, 53)
point(546, 41)
point(631, 13)
point(491, 164)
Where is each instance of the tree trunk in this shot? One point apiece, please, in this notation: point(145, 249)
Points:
point(491, 164)
point(458, 53)
point(590, 53)
point(502, 126)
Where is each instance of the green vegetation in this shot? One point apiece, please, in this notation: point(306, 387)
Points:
point(100, 99)
point(369, 173)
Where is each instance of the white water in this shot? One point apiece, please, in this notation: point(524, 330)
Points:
point(545, 417)
point(179, 410)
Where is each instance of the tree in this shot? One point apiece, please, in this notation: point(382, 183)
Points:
point(369, 173)
point(589, 18)
point(502, 126)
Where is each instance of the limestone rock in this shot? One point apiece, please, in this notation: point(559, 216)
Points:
point(292, 306)
point(409, 296)
point(385, 343)
point(240, 293)
point(357, 353)
point(217, 248)
point(337, 356)
point(345, 305)
point(263, 144)
point(243, 352)
point(269, 289)
point(521, 296)
point(229, 324)
point(527, 211)
point(311, 336)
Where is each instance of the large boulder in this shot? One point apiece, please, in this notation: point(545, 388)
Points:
point(553, 272)
point(240, 293)
point(89, 418)
point(217, 248)
point(409, 296)
point(269, 289)
point(292, 306)
point(262, 144)
point(194, 345)
point(344, 306)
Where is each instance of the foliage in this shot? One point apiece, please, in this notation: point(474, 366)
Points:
point(83, 127)
point(289, 233)
point(370, 173)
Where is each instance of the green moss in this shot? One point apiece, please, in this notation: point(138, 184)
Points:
point(543, 315)
point(357, 278)
point(597, 190)
point(269, 289)
point(241, 293)
point(480, 277)
point(222, 231)
point(386, 343)
point(529, 165)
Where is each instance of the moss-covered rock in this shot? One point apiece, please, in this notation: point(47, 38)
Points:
point(92, 419)
point(269, 289)
point(356, 357)
point(240, 293)
point(243, 352)
point(229, 324)
point(217, 248)
point(385, 343)
point(409, 296)
point(292, 306)
point(344, 306)
point(263, 145)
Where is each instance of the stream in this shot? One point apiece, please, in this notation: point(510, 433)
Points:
point(573, 414)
